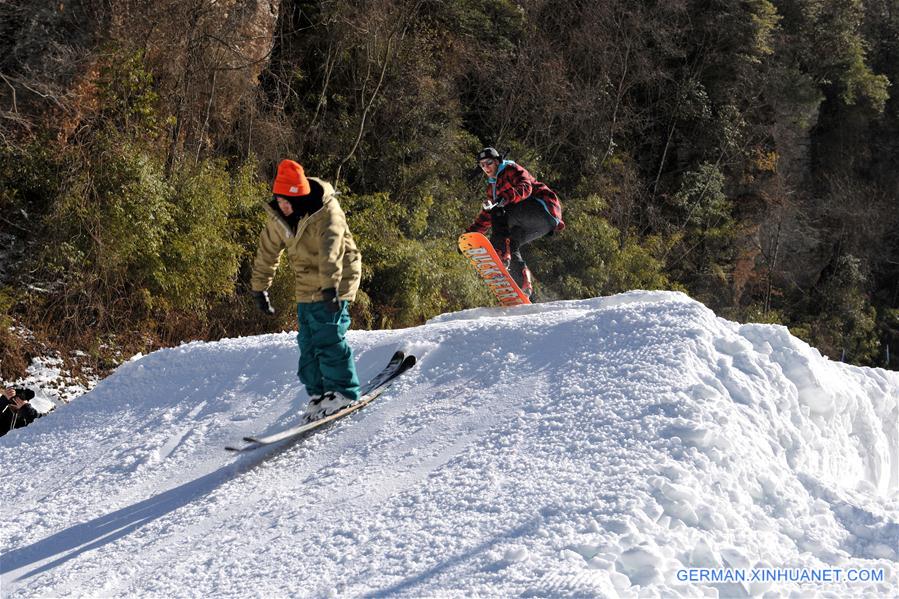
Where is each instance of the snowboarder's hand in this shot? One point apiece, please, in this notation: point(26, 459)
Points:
point(262, 302)
point(332, 304)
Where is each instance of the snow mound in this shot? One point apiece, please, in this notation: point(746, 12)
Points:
point(616, 447)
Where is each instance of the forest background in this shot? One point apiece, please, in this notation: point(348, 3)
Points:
point(744, 152)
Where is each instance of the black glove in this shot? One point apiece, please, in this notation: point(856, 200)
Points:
point(261, 299)
point(332, 304)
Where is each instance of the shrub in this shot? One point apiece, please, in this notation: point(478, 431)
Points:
point(405, 280)
point(589, 260)
point(12, 362)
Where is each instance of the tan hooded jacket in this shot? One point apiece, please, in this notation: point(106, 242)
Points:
point(321, 250)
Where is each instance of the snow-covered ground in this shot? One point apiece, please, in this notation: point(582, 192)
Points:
point(635, 445)
point(52, 384)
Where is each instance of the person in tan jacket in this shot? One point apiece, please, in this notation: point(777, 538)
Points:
point(306, 221)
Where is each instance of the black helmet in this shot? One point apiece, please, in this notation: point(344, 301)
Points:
point(488, 153)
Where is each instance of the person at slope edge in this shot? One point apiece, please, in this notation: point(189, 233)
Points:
point(15, 409)
point(519, 208)
point(306, 220)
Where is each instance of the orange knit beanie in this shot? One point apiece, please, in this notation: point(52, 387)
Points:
point(291, 181)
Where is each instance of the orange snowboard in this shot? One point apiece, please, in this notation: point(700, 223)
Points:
point(487, 263)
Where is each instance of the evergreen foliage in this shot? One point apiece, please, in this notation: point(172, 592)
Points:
point(118, 246)
point(590, 260)
point(741, 151)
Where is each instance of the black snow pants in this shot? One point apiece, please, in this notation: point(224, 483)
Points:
point(516, 226)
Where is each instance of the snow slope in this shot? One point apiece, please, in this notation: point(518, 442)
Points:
point(635, 445)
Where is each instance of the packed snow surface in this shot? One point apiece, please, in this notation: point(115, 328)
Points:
point(635, 445)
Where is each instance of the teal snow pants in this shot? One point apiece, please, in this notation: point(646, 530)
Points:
point(326, 360)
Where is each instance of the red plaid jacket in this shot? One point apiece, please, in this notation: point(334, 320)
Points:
point(515, 184)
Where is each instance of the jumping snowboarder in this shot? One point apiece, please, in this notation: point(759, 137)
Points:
point(519, 209)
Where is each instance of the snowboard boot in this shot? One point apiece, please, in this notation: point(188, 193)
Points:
point(527, 283)
point(329, 403)
point(312, 409)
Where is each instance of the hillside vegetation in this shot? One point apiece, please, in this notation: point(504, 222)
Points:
point(741, 151)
